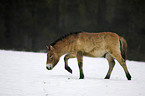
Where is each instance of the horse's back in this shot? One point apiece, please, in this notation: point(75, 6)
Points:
point(95, 39)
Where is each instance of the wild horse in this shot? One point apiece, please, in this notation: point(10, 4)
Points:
point(79, 44)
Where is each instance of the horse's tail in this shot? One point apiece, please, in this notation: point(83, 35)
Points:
point(123, 47)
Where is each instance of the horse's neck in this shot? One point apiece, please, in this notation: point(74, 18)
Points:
point(62, 48)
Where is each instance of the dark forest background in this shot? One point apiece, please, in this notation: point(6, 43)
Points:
point(32, 24)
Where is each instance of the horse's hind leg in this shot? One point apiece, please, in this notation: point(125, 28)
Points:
point(111, 65)
point(123, 64)
point(68, 56)
point(118, 57)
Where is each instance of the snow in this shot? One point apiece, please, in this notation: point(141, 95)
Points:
point(25, 74)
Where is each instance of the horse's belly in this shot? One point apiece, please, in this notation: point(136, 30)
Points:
point(100, 54)
point(96, 53)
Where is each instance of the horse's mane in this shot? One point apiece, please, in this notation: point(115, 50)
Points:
point(61, 38)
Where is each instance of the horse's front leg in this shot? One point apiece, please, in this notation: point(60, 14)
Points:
point(80, 63)
point(68, 56)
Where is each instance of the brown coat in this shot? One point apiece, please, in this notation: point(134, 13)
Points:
point(77, 45)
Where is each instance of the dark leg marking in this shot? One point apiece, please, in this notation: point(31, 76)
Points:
point(111, 65)
point(80, 64)
point(66, 62)
point(68, 69)
point(81, 70)
point(128, 76)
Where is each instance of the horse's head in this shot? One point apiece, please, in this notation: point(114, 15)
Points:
point(52, 58)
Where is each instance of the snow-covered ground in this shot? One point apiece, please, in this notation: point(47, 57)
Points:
point(25, 74)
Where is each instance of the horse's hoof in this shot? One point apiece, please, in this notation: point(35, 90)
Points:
point(128, 76)
point(81, 77)
point(107, 77)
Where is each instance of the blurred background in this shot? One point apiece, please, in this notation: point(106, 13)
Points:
point(30, 25)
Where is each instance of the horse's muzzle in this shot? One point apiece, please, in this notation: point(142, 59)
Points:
point(49, 66)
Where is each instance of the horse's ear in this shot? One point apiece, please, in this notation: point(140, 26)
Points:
point(51, 47)
point(47, 47)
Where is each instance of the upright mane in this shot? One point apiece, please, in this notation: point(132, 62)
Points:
point(61, 38)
